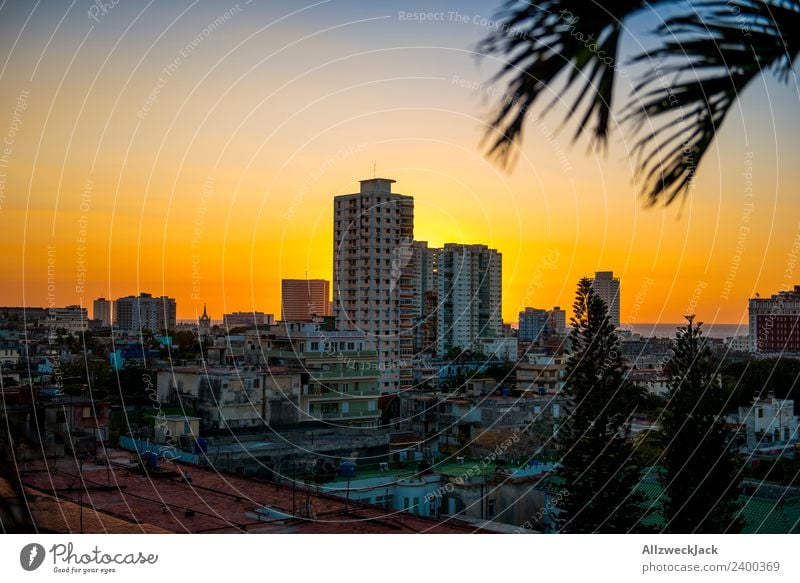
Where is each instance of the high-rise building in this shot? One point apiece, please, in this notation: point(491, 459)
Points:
point(101, 310)
point(606, 286)
point(532, 324)
point(470, 295)
point(425, 289)
point(373, 274)
point(303, 299)
point(557, 321)
point(775, 323)
point(247, 319)
point(145, 312)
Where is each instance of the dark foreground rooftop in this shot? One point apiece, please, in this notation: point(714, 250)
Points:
point(118, 498)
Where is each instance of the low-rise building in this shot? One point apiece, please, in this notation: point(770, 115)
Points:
point(340, 376)
point(70, 318)
point(654, 381)
point(542, 374)
point(233, 397)
point(769, 423)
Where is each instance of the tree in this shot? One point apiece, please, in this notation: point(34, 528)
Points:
point(701, 479)
point(598, 463)
point(709, 53)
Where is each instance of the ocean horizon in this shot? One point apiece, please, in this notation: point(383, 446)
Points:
point(662, 330)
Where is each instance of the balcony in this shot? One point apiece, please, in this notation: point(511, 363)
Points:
point(339, 416)
point(337, 396)
point(347, 373)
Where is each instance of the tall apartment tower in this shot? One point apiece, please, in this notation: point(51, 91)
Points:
point(101, 310)
point(373, 275)
point(302, 299)
point(426, 297)
point(145, 312)
point(470, 295)
point(557, 321)
point(606, 286)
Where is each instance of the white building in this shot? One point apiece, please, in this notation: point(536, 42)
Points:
point(470, 295)
point(372, 274)
point(606, 286)
point(769, 423)
point(503, 347)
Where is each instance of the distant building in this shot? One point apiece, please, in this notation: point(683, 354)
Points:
point(775, 323)
point(532, 323)
point(653, 380)
point(557, 321)
point(9, 351)
point(101, 310)
point(247, 320)
point(541, 374)
point(470, 295)
point(738, 343)
point(373, 275)
point(425, 288)
point(769, 423)
point(69, 318)
point(607, 286)
point(502, 347)
point(145, 312)
point(204, 324)
point(303, 299)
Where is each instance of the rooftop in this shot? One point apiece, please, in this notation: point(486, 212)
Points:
point(211, 502)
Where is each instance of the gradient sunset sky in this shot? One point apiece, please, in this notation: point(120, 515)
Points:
point(178, 149)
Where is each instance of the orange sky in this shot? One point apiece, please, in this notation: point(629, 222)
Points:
point(228, 175)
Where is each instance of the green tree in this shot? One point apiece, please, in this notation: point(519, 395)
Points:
point(701, 477)
point(598, 462)
point(708, 53)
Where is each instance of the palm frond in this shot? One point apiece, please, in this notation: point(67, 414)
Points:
point(544, 42)
point(722, 47)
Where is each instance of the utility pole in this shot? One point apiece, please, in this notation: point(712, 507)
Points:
point(83, 486)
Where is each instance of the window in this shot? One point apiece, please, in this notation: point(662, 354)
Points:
point(87, 413)
point(405, 503)
point(490, 509)
point(416, 505)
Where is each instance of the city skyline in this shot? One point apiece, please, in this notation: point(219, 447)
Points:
point(193, 189)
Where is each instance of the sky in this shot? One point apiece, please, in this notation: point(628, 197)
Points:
point(193, 149)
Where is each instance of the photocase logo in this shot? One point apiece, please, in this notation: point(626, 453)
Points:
point(31, 556)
